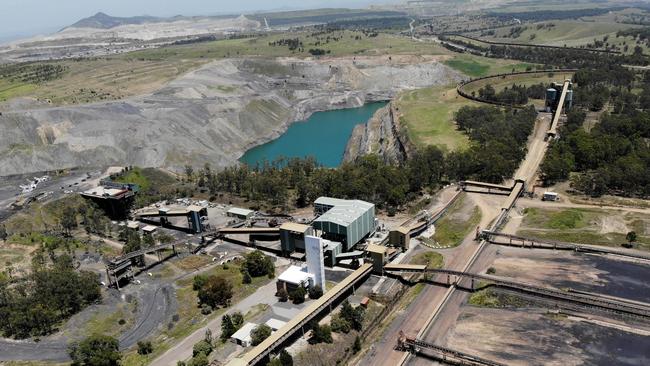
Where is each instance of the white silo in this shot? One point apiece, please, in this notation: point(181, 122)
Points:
point(315, 259)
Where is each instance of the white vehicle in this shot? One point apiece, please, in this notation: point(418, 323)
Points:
point(550, 196)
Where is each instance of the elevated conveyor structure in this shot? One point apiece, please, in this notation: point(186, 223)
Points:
point(482, 187)
point(262, 350)
point(515, 192)
point(602, 303)
point(498, 238)
point(552, 132)
point(444, 354)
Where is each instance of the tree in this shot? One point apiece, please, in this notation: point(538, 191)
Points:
point(96, 350)
point(198, 282)
point(144, 347)
point(353, 315)
point(631, 237)
point(203, 347)
point(283, 295)
point(285, 358)
point(356, 347)
point(340, 325)
point(189, 172)
point(260, 333)
point(298, 295)
point(230, 323)
point(208, 336)
point(246, 277)
point(69, 219)
point(321, 334)
point(199, 360)
point(216, 291)
point(315, 292)
point(257, 264)
point(148, 241)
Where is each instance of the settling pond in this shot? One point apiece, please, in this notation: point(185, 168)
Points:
point(324, 136)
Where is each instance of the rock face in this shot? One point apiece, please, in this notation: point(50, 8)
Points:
point(381, 135)
point(213, 114)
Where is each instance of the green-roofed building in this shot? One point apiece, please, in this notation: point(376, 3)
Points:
point(345, 221)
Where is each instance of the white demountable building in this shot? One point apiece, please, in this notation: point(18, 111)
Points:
point(242, 337)
point(293, 277)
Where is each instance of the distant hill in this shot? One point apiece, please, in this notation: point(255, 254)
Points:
point(105, 21)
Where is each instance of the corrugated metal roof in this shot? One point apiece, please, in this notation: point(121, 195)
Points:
point(295, 275)
point(344, 212)
point(293, 226)
point(244, 333)
point(376, 248)
point(240, 211)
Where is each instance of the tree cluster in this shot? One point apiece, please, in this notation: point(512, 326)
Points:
point(96, 350)
point(348, 318)
point(291, 43)
point(258, 264)
point(614, 157)
point(32, 306)
point(230, 323)
point(513, 95)
point(498, 142)
point(213, 291)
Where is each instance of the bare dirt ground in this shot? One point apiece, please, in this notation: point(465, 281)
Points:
point(531, 337)
point(536, 149)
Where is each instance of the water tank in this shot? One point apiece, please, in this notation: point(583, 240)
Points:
point(568, 100)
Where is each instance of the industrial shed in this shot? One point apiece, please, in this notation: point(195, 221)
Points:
point(240, 213)
point(292, 236)
point(345, 221)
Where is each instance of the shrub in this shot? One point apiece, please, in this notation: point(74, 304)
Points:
point(315, 292)
point(206, 309)
point(340, 325)
point(94, 349)
point(283, 295)
point(201, 347)
point(144, 347)
point(260, 333)
point(298, 295)
point(321, 334)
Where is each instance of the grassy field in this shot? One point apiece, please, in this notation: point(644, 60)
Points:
point(489, 299)
point(431, 259)
point(113, 323)
point(461, 218)
point(570, 33)
point(116, 77)
point(477, 66)
point(145, 177)
point(585, 226)
point(526, 79)
point(427, 116)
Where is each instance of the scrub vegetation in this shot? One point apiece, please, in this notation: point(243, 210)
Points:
point(431, 259)
point(461, 218)
point(585, 226)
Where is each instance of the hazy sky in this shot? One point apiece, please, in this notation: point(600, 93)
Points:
point(20, 17)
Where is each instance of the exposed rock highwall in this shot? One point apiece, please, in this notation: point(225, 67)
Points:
point(381, 135)
point(213, 114)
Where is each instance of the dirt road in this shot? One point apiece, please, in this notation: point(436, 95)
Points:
point(430, 298)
